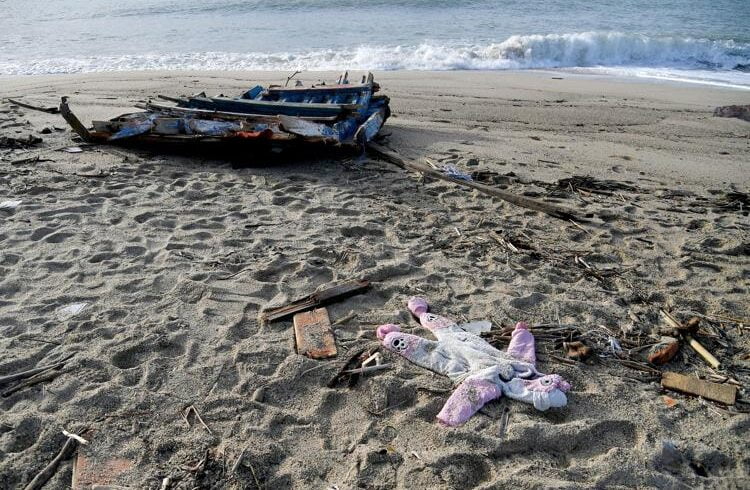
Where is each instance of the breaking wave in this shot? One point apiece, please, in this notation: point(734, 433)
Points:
point(577, 50)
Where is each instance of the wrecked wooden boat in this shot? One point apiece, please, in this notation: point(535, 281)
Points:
point(341, 115)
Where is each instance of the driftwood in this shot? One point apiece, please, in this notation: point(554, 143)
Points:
point(313, 334)
point(39, 378)
point(31, 372)
point(73, 121)
point(48, 110)
point(724, 393)
point(49, 470)
point(320, 298)
point(697, 346)
point(525, 202)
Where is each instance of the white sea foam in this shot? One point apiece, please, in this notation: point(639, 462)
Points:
point(588, 49)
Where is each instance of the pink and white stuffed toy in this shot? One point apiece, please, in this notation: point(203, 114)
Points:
point(480, 372)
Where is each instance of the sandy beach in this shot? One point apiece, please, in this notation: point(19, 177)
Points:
point(171, 259)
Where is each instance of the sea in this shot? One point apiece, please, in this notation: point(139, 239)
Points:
point(688, 41)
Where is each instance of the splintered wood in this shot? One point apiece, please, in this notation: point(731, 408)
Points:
point(312, 330)
point(723, 393)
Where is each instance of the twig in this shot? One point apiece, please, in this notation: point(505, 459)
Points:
point(31, 372)
point(236, 465)
point(367, 369)
point(504, 419)
point(75, 436)
point(350, 316)
point(186, 414)
point(39, 378)
point(522, 201)
point(255, 478)
point(36, 339)
point(49, 470)
point(48, 110)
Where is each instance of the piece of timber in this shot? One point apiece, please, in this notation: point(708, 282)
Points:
point(299, 109)
point(48, 110)
point(525, 202)
point(723, 393)
point(368, 129)
point(319, 298)
point(73, 121)
point(222, 114)
point(313, 334)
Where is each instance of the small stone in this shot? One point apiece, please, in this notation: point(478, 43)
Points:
point(472, 162)
point(46, 131)
point(664, 351)
point(259, 395)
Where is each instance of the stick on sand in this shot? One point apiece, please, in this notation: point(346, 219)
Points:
point(524, 202)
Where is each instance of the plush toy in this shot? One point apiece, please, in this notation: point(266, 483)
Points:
point(481, 372)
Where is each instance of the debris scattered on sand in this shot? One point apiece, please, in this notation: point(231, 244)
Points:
point(71, 310)
point(723, 393)
point(480, 372)
point(313, 334)
point(322, 297)
point(34, 107)
point(19, 143)
point(738, 111)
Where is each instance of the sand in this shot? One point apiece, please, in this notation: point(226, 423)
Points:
point(174, 257)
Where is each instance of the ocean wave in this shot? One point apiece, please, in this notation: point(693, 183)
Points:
point(577, 50)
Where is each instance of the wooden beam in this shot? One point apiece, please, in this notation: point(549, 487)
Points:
point(73, 121)
point(48, 110)
point(319, 298)
point(723, 393)
point(524, 202)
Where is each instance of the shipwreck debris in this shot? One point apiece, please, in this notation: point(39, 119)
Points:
point(270, 118)
point(48, 110)
point(319, 298)
point(525, 202)
point(738, 111)
point(723, 393)
point(313, 334)
point(687, 331)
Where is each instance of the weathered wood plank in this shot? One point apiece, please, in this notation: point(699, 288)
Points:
point(525, 202)
point(723, 393)
point(313, 334)
point(319, 298)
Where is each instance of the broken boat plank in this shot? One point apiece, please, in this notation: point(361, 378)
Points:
point(723, 393)
point(525, 202)
point(222, 114)
point(319, 298)
point(313, 334)
point(48, 110)
point(74, 122)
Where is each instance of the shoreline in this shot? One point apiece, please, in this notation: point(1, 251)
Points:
point(586, 73)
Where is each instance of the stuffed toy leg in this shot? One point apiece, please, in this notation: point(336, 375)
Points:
point(481, 372)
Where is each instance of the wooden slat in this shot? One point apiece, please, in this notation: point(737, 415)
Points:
point(313, 333)
point(723, 393)
point(525, 202)
point(319, 298)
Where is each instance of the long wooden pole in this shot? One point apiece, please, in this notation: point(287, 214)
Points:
point(525, 202)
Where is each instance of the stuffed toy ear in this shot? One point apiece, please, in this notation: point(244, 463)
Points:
point(522, 344)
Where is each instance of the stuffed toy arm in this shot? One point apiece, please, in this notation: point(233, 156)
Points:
point(470, 396)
